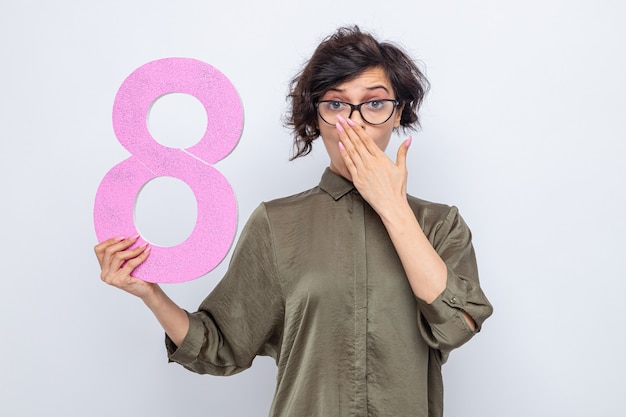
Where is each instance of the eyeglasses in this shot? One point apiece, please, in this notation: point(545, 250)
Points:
point(374, 112)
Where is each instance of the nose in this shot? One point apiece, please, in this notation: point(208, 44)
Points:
point(355, 116)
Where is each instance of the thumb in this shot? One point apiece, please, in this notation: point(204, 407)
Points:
point(402, 151)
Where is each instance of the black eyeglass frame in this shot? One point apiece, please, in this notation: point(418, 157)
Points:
point(357, 107)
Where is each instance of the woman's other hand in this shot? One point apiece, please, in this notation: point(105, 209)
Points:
point(118, 260)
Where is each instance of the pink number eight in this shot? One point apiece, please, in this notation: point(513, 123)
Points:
point(216, 223)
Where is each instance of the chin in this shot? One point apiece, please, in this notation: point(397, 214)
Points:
point(341, 170)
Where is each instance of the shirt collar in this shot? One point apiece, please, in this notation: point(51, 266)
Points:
point(335, 185)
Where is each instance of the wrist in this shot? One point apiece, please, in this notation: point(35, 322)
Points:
point(396, 213)
point(152, 296)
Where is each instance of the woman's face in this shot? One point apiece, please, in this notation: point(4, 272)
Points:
point(371, 84)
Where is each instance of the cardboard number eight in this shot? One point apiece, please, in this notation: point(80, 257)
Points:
point(216, 222)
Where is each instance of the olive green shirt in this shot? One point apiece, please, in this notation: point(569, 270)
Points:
point(315, 283)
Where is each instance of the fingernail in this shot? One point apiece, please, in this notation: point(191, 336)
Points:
point(341, 119)
point(135, 237)
point(350, 122)
point(339, 128)
point(341, 147)
point(408, 141)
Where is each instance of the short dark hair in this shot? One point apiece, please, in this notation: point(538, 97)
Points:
point(343, 56)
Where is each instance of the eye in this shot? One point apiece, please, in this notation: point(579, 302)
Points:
point(377, 104)
point(335, 105)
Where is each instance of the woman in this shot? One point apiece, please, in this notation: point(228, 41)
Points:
point(357, 290)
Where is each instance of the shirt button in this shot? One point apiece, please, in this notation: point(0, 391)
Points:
point(453, 300)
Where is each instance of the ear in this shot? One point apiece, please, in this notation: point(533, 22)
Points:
point(398, 115)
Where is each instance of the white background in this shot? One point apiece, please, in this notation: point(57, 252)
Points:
point(523, 130)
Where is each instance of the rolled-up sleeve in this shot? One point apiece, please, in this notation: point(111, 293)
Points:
point(242, 317)
point(442, 322)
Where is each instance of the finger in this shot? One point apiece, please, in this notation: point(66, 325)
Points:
point(113, 245)
point(351, 136)
point(360, 137)
point(123, 244)
point(353, 158)
point(126, 280)
point(118, 259)
point(348, 144)
point(133, 263)
point(354, 149)
point(402, 151)
point(111, 259)
point(101, 247)
point(116, 272)
point(347, 159)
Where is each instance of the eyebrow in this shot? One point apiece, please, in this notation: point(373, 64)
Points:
point(375, 87)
